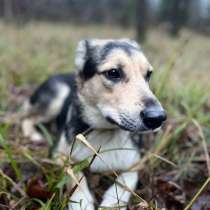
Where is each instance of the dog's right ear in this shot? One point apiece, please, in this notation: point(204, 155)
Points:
point(84, 62)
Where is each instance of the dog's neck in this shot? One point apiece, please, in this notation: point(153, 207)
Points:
point(75, 124)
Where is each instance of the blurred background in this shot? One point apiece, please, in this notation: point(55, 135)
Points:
point(178, 13)
point(194, 14)
point(31, 30)
point(38, 38)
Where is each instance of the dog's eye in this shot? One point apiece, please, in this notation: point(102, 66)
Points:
point(148, 75)
point(114, 74)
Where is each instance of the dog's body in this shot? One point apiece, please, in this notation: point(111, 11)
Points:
point(109, 94)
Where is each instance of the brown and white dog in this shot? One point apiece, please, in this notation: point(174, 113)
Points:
point(110, 94)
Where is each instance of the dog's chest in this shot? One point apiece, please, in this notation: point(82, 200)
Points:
point(116, 151)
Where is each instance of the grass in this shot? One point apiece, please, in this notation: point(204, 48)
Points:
point(179, 154)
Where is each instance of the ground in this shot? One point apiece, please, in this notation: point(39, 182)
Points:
point(175, 162)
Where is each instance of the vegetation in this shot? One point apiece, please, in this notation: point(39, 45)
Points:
point(176, 11)
point(175, 162)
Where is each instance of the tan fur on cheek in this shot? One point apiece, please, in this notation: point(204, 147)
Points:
point(92, 90)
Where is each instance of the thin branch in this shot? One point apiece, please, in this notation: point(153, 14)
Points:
point(13, 184)
point(205, 147)
point(197, 194)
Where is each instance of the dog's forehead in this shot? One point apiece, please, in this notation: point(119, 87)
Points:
point(123, 54)
point(117, 46)
point(105, 46)
point(102, 42)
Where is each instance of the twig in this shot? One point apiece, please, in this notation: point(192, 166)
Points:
point(197, 194)
point(164, 159)
point(82, 138)
point(17, 203)
point(4, 206)
point(118, 201)
point(13, 183)
point(205, 148)
point(153, 152)
point(12, 118)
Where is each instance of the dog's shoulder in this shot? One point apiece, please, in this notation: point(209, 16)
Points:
point(68, 112)
point(51, 87)
point(71, 112)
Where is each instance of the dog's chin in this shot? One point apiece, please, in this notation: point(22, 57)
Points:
point(115, 123)
point(127, 127)
point(145, 130)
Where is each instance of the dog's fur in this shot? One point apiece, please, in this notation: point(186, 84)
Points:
point(110, 103)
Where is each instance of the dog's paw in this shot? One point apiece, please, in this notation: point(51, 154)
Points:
point(112, 203)
point(36, 137)
point(82, 199)
point(82, 205)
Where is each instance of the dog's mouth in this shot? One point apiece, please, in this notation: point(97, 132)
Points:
point(130, 126)
point(125, 125)
point(113, 122)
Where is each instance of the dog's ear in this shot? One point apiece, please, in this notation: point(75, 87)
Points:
point(84, 62)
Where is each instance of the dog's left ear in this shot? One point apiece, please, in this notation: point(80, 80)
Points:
point(85, 65)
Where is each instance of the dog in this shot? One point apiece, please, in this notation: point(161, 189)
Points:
point(108, 93)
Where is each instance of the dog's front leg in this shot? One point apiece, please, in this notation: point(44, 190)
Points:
point(117, 195)
point(81, 199)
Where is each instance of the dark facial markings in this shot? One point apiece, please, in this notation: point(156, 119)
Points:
point(126, 47)
point(148, 75)
point(90, 66)
point(89, 69)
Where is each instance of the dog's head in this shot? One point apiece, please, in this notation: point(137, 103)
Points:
point(113, 86)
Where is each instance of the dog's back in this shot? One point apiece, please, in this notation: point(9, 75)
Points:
point(49, 102)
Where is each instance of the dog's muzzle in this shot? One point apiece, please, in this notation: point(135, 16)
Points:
point(153, 117)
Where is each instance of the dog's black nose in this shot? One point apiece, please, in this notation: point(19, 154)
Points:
point(153, 117)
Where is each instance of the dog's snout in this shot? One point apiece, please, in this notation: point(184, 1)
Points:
point(153, 117)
